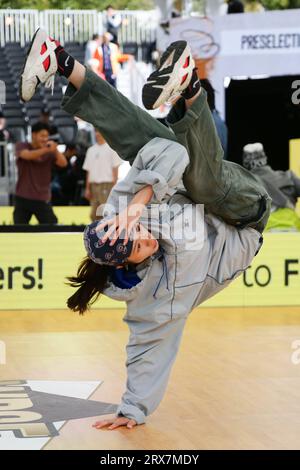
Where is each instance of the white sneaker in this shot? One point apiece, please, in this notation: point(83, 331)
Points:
point(40, 65)
point(172, 76)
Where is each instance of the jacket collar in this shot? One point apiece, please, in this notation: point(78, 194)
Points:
point(143, 270)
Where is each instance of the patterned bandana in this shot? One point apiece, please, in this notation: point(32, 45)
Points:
point(101, 252)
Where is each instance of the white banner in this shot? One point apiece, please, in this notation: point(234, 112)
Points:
point(267, 41)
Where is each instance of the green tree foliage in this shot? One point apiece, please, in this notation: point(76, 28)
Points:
point(78, 4)
point(280, 4)
point(122, 4)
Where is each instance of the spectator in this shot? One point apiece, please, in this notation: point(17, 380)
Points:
point(4, 137)
point(34, 162)
point(219, 123)
point(4, 134)
point(101, 165)
point(107, 56)
point(235, 6)
point(64, 181)
point(113, 23)
point(70, 151)
point(85, 134)
point(46, 119)
point(282, 186)
point(90, 49)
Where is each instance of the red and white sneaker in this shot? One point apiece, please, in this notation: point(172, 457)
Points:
point(40, 65)
point(171, 78)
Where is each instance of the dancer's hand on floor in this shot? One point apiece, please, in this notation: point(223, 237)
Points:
point(116, 422)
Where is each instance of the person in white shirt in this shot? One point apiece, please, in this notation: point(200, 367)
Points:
point(90, 49)
point(101, 165)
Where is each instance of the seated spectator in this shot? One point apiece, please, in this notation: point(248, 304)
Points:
point(101, 165)
point(34, 162)
point(219, 123)
point(282, 186)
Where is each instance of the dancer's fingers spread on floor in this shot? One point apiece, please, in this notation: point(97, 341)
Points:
point(115, 423)
point(101, 424)
point(131, 424)
point(122, 421)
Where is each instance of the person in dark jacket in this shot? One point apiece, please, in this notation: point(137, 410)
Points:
point(282, 186)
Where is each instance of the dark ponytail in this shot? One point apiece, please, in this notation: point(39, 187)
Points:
point(91, 280)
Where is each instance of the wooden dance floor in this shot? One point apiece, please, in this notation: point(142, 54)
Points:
point(235, 383)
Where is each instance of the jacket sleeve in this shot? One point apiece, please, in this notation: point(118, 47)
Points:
point(161, 164)
point(151, 351)
point(234, 250)
point(232, 253)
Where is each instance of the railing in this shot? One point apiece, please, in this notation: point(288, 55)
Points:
point(75, 25)
point(17, 25)
point(138, 26)
point(71, 25)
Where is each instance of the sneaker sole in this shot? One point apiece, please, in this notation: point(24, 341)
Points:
point(24, 66)
point(174, 82)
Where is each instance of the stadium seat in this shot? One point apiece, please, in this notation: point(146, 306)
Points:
point(12, 45)
point(18, 60)
point(11, 96)
point(14, 112)
point(55, 104)
point(61, 114)
point(33, 104)
point(13, 103)
point(57, 94)
point(17, 128)
point(33, 114)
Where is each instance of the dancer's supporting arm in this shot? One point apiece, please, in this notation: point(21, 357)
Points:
point(151, 351)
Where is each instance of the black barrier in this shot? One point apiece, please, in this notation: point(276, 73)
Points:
point(41, 228)
point(136, 459)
